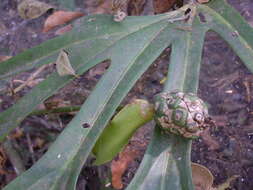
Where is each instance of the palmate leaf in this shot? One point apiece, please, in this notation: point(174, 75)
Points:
point(172, 153)
point(130, 57)
point(86, 49)
point(137, 42)
point(170, 156)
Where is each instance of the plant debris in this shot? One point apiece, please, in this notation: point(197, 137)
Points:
point(30, 9)
point(60, 18)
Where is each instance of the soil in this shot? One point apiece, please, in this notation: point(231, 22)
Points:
point(225, 84)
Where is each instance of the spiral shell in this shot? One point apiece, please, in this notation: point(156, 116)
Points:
point(181, 113)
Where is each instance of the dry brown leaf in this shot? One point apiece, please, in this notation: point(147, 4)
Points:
point(119, 166)
point(104, 7)
point(135, 7)
point(202, 177)
point(39, 142)
point(55, 102)
point(30, 9)
point(203, 1)
point(59, 18)
point(63, 30)
point(111, 6)
point(63, 65)
point(161, 6)
point(226, 184)
point(4, 58)
point(17, 133)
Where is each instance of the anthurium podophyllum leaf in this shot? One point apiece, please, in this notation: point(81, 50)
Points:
point(173, 152)
point(131, 45)
point(234, 30)
point(87, 30)
point(86, 49)
point(183, 72)
point(130, 57)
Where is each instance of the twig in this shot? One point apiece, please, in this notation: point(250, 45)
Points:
point(32, 77)
point(30, 146)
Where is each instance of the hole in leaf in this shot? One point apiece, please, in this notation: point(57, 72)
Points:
point(202, 18)
point(187, 11)
point(85, 125)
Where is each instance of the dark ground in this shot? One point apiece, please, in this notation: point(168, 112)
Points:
point(225, 84)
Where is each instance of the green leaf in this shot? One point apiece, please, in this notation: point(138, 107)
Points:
point(119, 131)
point(183, 75)
point(67, 4)
point(82, 59)
point(86, 30)
point(233, 17)
point(131, 45)
point(165, 155)
point(239, 37)
point(130, 57)
point(11, 118)
point(171, 153)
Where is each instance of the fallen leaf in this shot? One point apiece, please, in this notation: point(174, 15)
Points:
point(63, 30)
point(119, 166)
point(104, 7)
point(111, 6)
point(39, 143)
point(135, 7)
point(202, 177)
point(161, 6)
point(59, 18)
point(63, 65)
point(55, 102)
point(17, 133)
point(4, 58)
point(226, 184)
point(203, 1)
point(30, 9)
point(119, 5)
